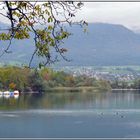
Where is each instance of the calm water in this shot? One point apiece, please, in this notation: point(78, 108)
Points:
point(71, 115)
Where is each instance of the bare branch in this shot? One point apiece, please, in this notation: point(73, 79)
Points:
point(25, 15)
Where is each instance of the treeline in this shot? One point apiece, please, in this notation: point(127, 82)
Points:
point(135, 84)
point(25, 79)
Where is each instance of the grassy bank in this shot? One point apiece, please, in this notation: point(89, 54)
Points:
point(76, 89)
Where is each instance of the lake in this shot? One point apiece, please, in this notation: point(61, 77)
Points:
point(71, 115)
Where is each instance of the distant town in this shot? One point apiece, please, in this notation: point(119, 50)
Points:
point(127, 74)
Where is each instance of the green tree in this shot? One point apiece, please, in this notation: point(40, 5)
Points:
point(14, 77)
point(35, 81)
point(136, 84)
point(25, 19)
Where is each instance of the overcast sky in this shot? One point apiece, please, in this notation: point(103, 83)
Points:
point(125, 13)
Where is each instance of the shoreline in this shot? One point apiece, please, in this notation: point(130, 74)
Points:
point(68, 89)
point(125, 89)
point(72, 89)
point(76, 89)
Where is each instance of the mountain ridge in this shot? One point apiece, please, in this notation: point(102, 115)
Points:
point(103, 44)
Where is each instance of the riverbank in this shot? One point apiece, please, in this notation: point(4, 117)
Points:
point(117, 89)
point(76, 89)
point(82, 89)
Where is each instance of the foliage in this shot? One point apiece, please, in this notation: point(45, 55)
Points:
point(26, 17)
point(135, 84)
point(35, 81)
point(12, 86)
point(62, 79)
point(26, 79)
point(14, 77)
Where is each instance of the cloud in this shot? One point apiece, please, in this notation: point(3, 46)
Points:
point(126, 13)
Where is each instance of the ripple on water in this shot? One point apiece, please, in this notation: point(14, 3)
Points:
point(65, 112)
point(9, 115)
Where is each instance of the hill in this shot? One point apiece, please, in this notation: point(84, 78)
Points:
point(103, 44)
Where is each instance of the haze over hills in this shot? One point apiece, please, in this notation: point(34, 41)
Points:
point(103, 44)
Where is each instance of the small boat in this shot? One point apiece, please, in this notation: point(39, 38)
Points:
point(11, 94)
point(16, 94)
point(1, 94)
point(6, 94)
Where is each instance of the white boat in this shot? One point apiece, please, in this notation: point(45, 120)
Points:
point(6, 94)
point(1, 94)
point(16, 94)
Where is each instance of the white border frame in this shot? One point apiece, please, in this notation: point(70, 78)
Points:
point(51, 138)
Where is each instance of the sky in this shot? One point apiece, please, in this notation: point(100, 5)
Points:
point(125, 13)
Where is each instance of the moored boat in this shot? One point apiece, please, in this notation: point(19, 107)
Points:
point(16, 94)
point(6, 94)
point(11, 94)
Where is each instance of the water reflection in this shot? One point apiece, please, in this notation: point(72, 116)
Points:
point(111, 100)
